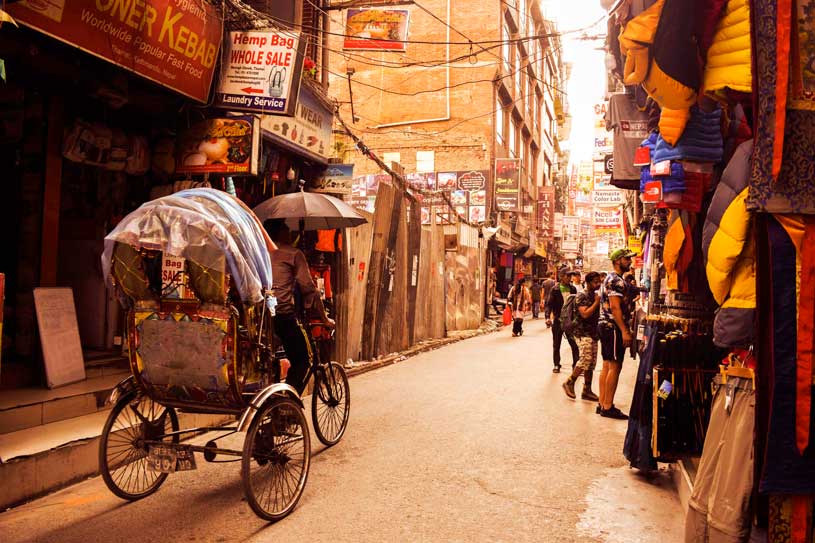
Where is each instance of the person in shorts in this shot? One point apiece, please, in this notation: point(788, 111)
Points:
point(613, 329)
point(588, 307)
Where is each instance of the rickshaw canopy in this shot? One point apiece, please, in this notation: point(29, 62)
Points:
point(206, 226)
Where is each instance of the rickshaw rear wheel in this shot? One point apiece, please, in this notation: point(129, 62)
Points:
point(122, 452)
point(330, 403)
point(276, 459)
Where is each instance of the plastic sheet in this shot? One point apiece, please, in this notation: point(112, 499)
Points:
point(205, 226)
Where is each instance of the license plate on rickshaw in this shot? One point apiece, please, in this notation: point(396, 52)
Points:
point(166, 459)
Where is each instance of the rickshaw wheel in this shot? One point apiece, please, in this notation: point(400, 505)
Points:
point(276, 459)
point(123, 456)
point(330, 403)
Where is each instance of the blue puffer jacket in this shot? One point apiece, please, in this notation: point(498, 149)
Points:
point(675, 182)
point(700, 142)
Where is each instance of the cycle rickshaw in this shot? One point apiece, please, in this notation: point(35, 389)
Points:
point(193, 271)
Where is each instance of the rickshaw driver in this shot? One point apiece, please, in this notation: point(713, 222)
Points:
point(290, 272)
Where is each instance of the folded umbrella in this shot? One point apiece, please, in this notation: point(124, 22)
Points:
point(310, 211)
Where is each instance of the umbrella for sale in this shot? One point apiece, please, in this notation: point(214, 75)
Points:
point(310, 211)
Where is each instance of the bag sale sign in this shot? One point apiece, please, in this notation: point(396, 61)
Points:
point(261, 72)
point(172, 42)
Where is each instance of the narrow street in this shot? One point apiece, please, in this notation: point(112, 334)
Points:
point(472, 442)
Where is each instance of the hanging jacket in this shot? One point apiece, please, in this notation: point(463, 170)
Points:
point(729, 65)
point(672, 124)
point(635, 41)
point(709, 13)
point(700, 142)
point(729, 253)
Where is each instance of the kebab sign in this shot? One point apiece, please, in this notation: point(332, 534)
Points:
point(261, 72)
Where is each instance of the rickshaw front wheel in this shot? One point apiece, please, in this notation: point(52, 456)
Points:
point(123, 454)
point(330, 403)
point(276, 459)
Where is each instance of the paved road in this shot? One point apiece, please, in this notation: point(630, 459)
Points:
point(472, 442)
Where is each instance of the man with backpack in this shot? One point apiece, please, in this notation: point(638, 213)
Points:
point(535, 291)
point(560, 300)
point(587, 304)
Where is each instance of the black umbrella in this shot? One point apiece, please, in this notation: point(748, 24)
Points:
point(310, 211)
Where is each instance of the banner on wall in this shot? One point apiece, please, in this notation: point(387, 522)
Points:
point(607, 219)
point(376, 29)
point(507, 184)
point(261, 71)
point(170, 42)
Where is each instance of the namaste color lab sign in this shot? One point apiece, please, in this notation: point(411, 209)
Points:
point(172, 42)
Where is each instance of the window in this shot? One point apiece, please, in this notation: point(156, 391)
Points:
point(513, 132)
point(387, 158)
point(499, 122)
point(506, 51)
point(425, 161)
point(518, 73)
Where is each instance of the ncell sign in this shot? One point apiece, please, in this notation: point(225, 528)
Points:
point(172, 42)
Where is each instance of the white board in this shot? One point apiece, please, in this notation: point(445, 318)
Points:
point(59, 336)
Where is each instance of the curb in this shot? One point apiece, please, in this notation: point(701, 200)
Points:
point(370, 365)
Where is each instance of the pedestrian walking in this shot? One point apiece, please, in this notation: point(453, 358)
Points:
point(535, 292)
point(615, 334)
point(552, 311)
point(547, 285)
point(588, 308)
point(519, 300)
point(577, 281)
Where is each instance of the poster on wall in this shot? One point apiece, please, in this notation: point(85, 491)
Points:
point(172, 43)
point(337, 179)
point(376, 29)
point(507, 184)
point(261, 71)
point(225, 145)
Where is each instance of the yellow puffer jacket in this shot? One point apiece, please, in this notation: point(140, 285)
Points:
point(672, 124)
point(729, 250)
point(728, 59)
point(635, 40)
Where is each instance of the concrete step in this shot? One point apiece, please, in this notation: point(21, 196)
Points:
point(31, 407)
point(44, 458)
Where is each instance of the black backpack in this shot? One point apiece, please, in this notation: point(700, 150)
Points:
point(569, 316)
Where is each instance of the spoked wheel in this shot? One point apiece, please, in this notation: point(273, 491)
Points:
point(276, 458)
point(122, 451)
point(330, 403)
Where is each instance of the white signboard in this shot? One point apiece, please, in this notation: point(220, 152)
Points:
point(570, 245)
point(571, 228)
point(309, 130)
point(261, 71)
point(607, 219)
point(59, 336)
point(607, 198)
point(558, 224)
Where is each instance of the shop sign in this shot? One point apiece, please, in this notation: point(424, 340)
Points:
point(225, 145)
point(376, 29)
point(546, 209)
point(540, 249)
point(507, 184)
point(607, 198)
point(261, 71)
point(557, 224)
point(570, 245)
point(608, 164)
point(308, 132)
point(337, 179)
point(571, 228)
point(607, 219)
point(504, 233)
point(653, 192)
point(173, 43)
point(601, 247)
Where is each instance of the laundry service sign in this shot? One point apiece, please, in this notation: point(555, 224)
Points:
point(261, 71)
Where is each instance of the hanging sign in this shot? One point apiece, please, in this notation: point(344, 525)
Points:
point(557, 224)
point(507, 184)
point(607, 198)
point(376, 29)
point(653, 192)
point(607, 219)
point(546, 209)
point(172, 42)
point(261, 71)
point(608, 164)
point(635, 244)
point(308, 132)
point(227, 145)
